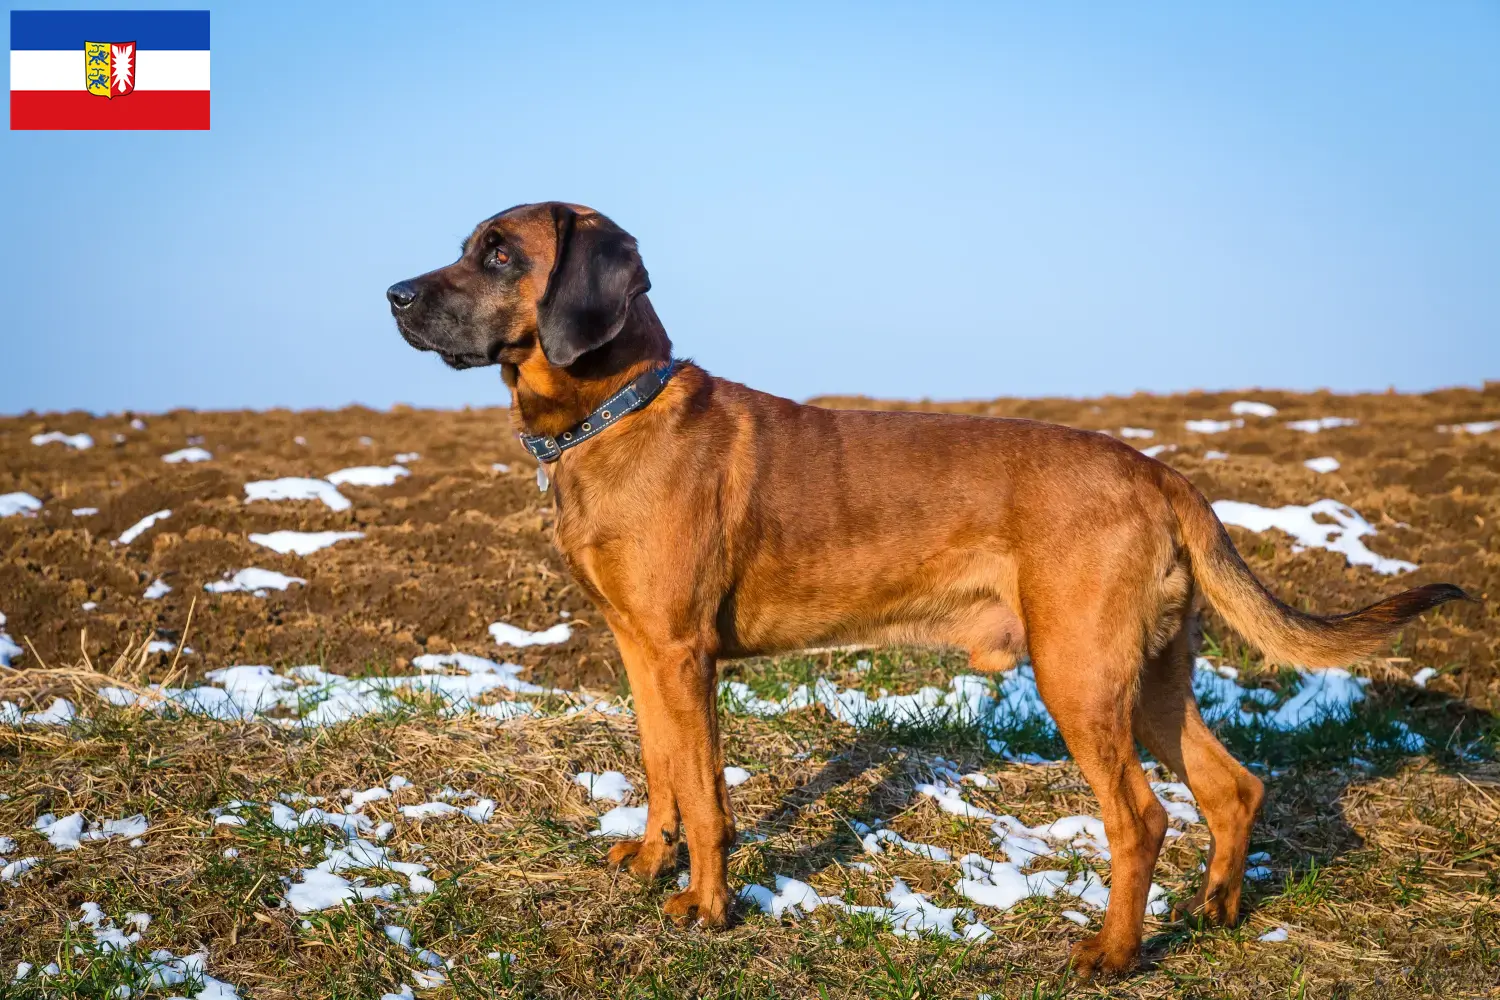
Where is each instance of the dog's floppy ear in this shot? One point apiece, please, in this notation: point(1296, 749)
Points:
point(596, 273)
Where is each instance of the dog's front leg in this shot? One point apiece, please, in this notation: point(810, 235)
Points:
point(656, 851)
point(688, 728)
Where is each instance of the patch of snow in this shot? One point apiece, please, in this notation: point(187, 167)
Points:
point(1249, 408)
point(1273, 936)
point(500, 467)
point(483, 675)
point(977, 931)
point(59, 713)
point(12, 872)
point(429, 810)
point(481, 811)
point(872, 844)
point(1322, 694)
point(1321, 424)
point(166, 646)
point(1212, 426)
point(320, 698)
point(360, 799)
point(970, 699)
point(1476, 427)
point(322, 890)
point(909, 915)
point(1076, 917)
point(297, 488)
point(63, 834)
point(1342, 536)
point(428, 980)
point(612, 785)
point(85, 511)
point(78, 442)
point(503, 710)
point(791, 895)
point(9, 651)
point(734, 776)
point(157, 590)
point(1326, 463)
point(321, 887)
point(1137, 432)
point(135, 531)
point(510, 635)
point(25, 504)
point(254, 581)
point(193, 454)
point(368, 475)
point(129, 827)
point(407, 456)
point(161, 967)
point(302, 542)
point(1157, 449)
point(1421, 677)
point(1215, 456)
point(622, 821)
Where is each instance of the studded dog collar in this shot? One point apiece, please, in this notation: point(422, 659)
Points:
point(636, 394)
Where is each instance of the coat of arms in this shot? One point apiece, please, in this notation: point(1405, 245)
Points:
point(109, 68)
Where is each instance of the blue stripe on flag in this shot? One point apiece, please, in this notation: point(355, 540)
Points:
point(69, 29)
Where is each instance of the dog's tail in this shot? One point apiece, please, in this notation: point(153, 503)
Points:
point(1282, 633)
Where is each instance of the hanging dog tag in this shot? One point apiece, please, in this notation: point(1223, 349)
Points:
point(541, 478)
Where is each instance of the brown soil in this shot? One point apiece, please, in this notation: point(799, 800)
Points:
point(458, 545)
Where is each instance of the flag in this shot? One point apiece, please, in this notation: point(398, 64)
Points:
point(117, 69)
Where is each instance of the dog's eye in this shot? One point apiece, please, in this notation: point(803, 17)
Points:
point(499, 256)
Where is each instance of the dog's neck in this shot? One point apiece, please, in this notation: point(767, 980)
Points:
point(549, 400)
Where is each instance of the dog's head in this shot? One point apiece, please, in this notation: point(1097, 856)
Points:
point(548, 277)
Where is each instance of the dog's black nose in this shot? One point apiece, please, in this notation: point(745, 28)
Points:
point(402, 294)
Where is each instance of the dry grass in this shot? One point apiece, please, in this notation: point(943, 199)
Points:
point(1387, 881)
point(1387, 877)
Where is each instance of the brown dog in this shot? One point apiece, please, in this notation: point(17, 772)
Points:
point(719, 522)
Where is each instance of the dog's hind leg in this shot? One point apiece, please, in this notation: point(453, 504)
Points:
point(656, 851)
point(1168, 723)
point(1086, 663)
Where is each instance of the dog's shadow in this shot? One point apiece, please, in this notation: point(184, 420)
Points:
point(1305, 824)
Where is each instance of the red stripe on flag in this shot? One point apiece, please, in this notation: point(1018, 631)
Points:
point(78, 109)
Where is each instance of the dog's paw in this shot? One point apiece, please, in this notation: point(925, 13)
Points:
point(705, 907)
point(1207, 909)
point(1096, 956)
point(645, 859)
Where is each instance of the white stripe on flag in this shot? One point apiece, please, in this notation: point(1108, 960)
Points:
point(155, 69)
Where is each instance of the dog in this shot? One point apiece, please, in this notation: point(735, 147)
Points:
point(712, 521)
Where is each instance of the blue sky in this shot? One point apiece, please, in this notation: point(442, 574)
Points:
point(944, 200)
